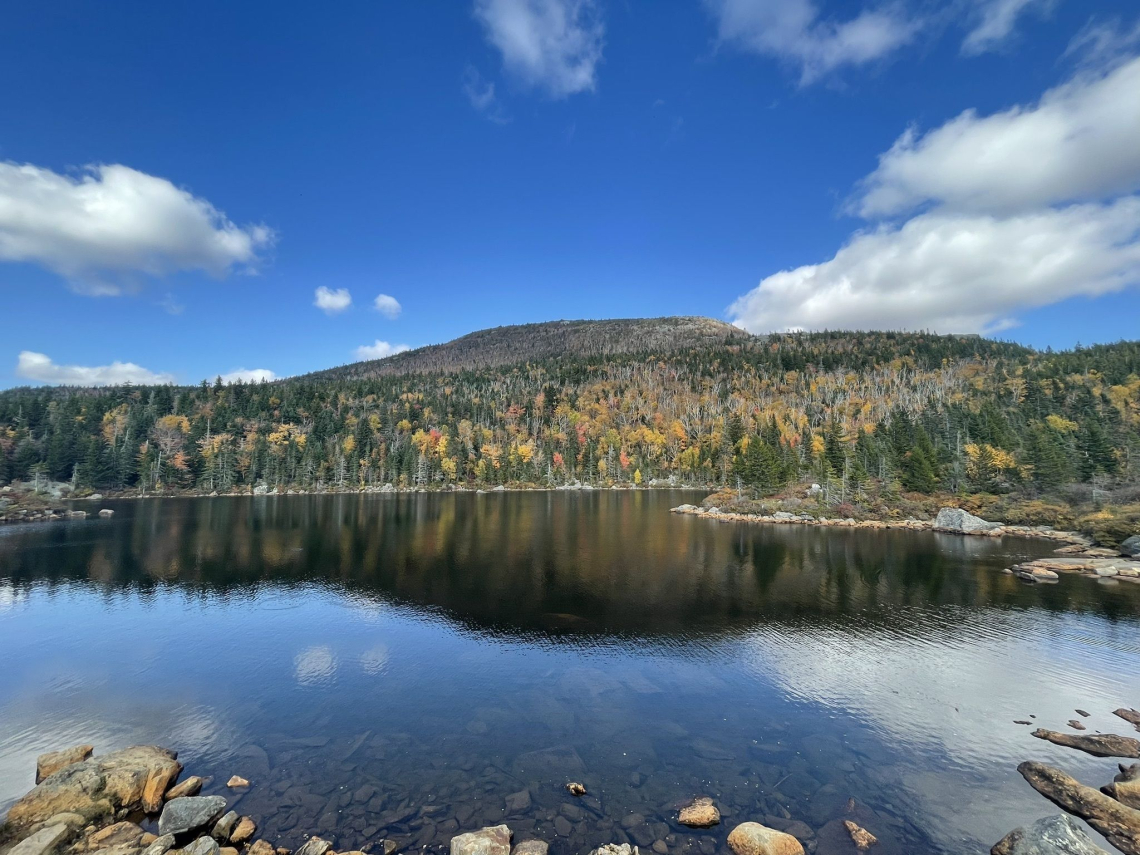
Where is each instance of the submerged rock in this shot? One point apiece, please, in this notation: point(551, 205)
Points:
point(1118, 823)
point(190, 787)
point(1099, 745)
point(314, 846)
point(133, 778)
point(1053, 835)
point(958, 520)
point(702, 813)
point(493, 840)
point(576, 789)
point(615, 849)
point(752, 838)
point(530, 847)
point(861, 837)
point(51, 762)
point(189, 813)
point(237, 781)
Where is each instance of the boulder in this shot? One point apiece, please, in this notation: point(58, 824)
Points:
point(493, 840)
point(105, 513)
point(958, 520)
point(1053, 835)
point(53, 761)
point(202, 846)
point(190, 787)
point(702, 813)
point(1129, 715)
point(236, 782)
point(43, 842)
point(1100, 745)
point(224, 827)
point(189, 813)
point(314, 846)
point(1131, 547)
point(615, 849)
point(120, 834)
point(1125, 787)
point(1119, 824)
point(160, 845)
point(260, 847)
point(100, 786)
point(752, 838)
point(243, 831)
point(530, 847)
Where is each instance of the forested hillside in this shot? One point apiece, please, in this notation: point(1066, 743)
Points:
point(701, 403)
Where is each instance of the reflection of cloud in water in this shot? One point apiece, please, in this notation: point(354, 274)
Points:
point(374, 661)
point(946, 694)
point(10, 597)
point(315, 666)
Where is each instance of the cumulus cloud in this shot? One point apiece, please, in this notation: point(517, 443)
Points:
point(995, 22)
point(552, 45)
point(332, 302)
point(388, 306)
point(379, 350)
point(1078, 142)
point(793, 31)
point(1020, 209)
point(249, 375)
point(110, 221)
point(40, 368)
point(954, 272)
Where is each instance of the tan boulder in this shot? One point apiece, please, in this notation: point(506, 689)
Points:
point(51, 762)
point(493, 840)
point(261, 847)
point(190, 787)
point(243, 831)
point(752, 838)
point(702, 813)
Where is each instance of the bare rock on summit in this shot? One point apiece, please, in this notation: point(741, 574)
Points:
point(100, 786)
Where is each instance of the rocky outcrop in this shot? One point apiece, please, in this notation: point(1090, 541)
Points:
point(493, 840)
point(1119, 824)
point(961, 522)
point(190, 813)
point(1053, 835)
point(752, 838)
point(1098, 745)
point(129, 779)
point(1125, 787)
point(53, 761)
point(701, 813)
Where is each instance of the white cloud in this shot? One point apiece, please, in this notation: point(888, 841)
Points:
point(249, 375)
point(379, 350)
point(792, 31)
point(481, 94)
point(995, 22)
point(332, 302)
point(111, 221)
point(388, 306)
point(1078, 142)
point(39, 367)
point(1101, 44)
point(954, 272)
point(553, 45)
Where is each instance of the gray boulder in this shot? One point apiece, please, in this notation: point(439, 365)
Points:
point(314, 846)
point(202, 846)
point(43, 842)
point(189, 813)
point(1053, 835)
point(958, 520)
point(1131, 546)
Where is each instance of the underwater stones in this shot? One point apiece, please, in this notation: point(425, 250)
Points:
point(492, 840)
point(519, 802)
point(236, 782)
point(1100, 745)
point(861, 837)
point(702, 813)
point(314, 846)
point(530, 847)
point(51, 762)
point(576, 789)
point(1119, 823)
point(1053, 835)
point(189, 813)
point(752, 838)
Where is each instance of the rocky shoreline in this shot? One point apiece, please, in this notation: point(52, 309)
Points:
point(131, 802)
point(1079, 555)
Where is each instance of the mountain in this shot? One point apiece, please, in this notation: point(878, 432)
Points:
point(551, 340)
point(872, 417)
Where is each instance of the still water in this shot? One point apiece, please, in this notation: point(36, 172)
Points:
point(407, 666)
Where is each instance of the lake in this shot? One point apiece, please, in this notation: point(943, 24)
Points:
point(410, 666)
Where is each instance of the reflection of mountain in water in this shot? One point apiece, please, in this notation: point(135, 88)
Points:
point(592, 564)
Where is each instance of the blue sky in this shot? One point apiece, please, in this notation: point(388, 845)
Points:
point(177, 180)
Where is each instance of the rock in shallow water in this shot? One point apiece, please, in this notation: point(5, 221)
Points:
point(51, 762)
point(530, 847)
point(190, 812)
point(1100, 745)
point(702, 813)
point(1118, 823)
point(493, 840)
point(752, 838)
point(1053, 835)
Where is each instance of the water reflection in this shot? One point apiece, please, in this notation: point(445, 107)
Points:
point(405, 666)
